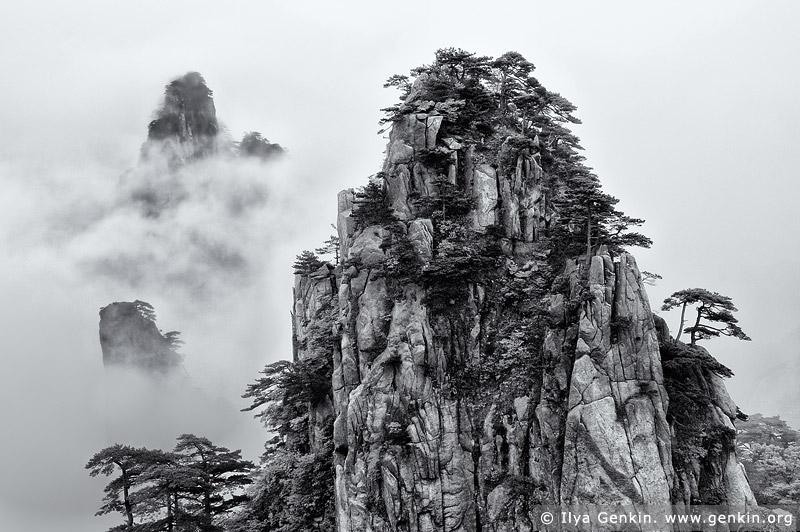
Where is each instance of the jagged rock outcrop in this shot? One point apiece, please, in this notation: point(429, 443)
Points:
point(186, 126)
point(595, 431)
point(516, 201)
point(411, 453)
point(129, 338)
point(185, 134)
point(312, 320)
point(481, 364)
point(616, 438)
point(702, 425)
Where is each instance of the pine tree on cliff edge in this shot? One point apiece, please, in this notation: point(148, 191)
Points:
point(711, 307)
point(491, 103)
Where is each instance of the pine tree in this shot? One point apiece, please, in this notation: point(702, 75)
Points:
point(370, 206)
point(146, 310)
point(306, 262)
point(132, 463)
point(583, 209)
point(219, 475)
point(188, 489)
point(712, 307)
point(330, 247)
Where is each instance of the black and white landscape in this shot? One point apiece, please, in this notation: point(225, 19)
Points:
point(480, 332)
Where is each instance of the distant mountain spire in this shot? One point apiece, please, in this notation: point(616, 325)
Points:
point(186, 126)
point(130, 338)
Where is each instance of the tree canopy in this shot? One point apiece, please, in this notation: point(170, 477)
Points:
point(769, 449)
point(330, 247)
point(132, 463)
point(714, 314)
point(307, 262)
point(370, 206)
point(497, 101)
point(586, 210)
point(189, 488)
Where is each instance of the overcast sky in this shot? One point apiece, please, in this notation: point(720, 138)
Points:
point(690, 117)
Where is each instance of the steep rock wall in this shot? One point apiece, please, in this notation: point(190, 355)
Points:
point(186, 126)
point(312, 339)
point(476, 372)
point(415, 453)
point(616, 438)
point(130, 338)
point(511, 196)
point(702, 428)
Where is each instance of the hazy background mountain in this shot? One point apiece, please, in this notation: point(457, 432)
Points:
point(689, 118)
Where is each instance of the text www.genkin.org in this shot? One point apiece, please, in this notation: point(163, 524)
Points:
point(653, 518)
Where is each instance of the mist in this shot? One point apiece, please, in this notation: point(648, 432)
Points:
point(207, 259)
point(689, 114)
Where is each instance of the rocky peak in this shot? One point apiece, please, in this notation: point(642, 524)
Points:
point(130, 338)
point(186, 125)
point(492, 344)
point(513, 374)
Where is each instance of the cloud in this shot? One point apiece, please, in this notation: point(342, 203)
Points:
point(703, 129)
point(197, 231)
point(205, 244)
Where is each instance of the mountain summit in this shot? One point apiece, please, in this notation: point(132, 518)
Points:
point(484, 343)
point(130, 338)
point(186, 126)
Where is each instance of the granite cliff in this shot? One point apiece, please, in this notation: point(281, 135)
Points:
point(186, 129)
point(185, 126)
point(130, 338)
point(489, 341)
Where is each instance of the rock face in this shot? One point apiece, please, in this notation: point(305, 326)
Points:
point(703, 432)
point(594, 432)
point(130, 338)
point(416, 452)
point(312, 319)
point(515, 200)
point(186, 127)
point(616, 438)
point(476, 373)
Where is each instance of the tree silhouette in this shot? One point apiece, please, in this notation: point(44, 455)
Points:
point(132, 464)
point(585, 210)
point(219, 475)
point(330, 247)
point(370, 206)
point(187, 489)
point(306, 262)
point(712, 307)
point(145, 309)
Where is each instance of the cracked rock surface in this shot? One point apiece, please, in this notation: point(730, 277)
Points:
point(415, 450)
